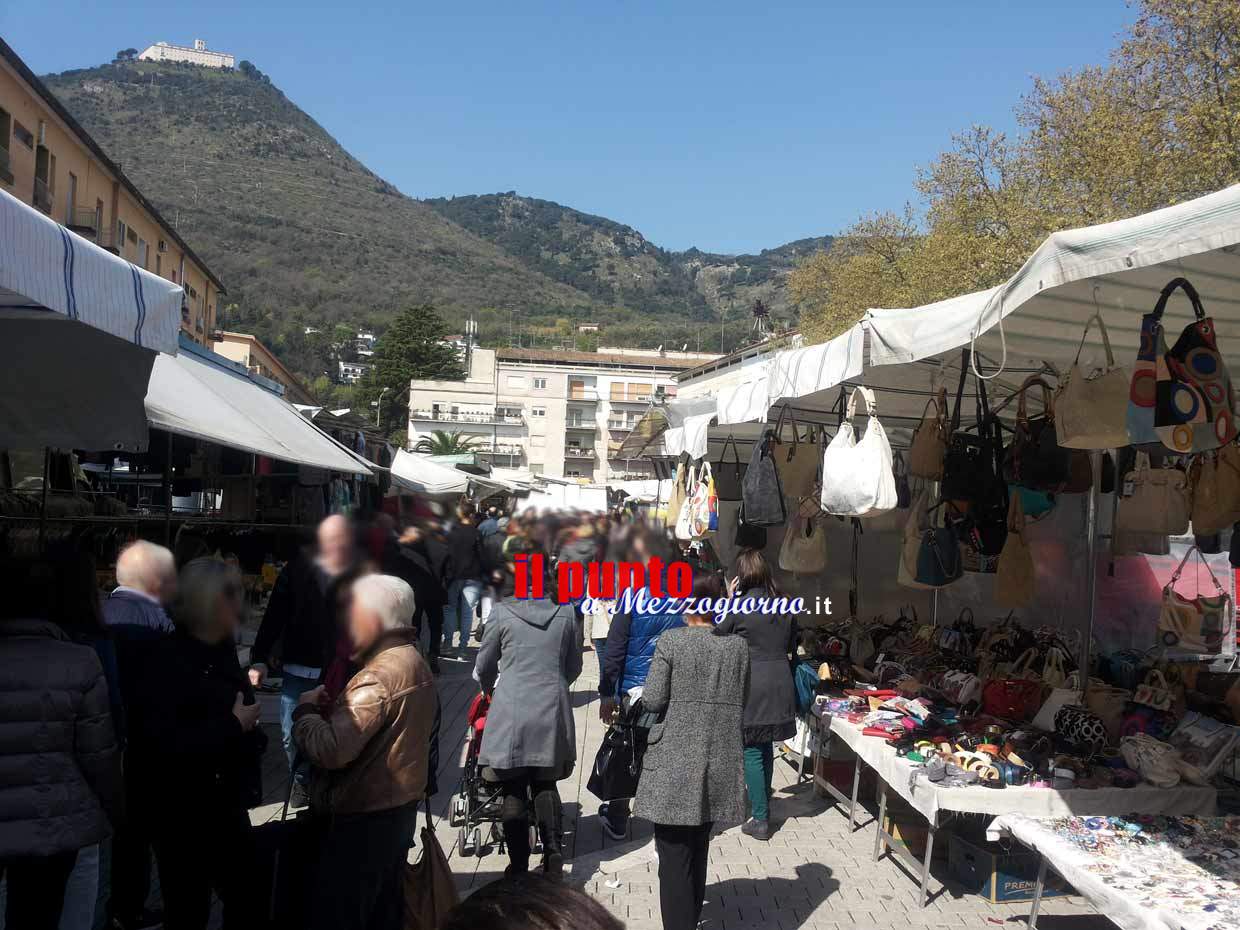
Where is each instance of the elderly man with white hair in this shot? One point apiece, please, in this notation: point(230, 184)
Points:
point(146, 578)
point(370, 750)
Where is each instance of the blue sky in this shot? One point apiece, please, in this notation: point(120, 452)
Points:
point(730, 126)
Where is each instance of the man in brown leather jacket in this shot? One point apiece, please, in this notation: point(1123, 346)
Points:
point(370, 751)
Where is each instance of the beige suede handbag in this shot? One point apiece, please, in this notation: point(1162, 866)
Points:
point(1091, 413)
point(1156, 500)
point(929, 446)
point(1216, 489)
point(1015, 577)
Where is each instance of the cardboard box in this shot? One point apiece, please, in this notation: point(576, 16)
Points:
point(997, 874)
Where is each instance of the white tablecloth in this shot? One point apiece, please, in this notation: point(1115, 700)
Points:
point(1155, 911)
point(929, 799)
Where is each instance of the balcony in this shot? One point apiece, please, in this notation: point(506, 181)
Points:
point(582, 395)
point(86, 224)
point(506, 453)
point(588, 426)
point(467, 416)
point(575, 452)
point(42, 196)
point(619, 426)
point(630, 397)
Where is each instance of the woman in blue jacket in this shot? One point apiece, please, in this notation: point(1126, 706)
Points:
point(631, 641)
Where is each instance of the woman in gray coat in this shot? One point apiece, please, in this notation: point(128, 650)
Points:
point(691, 774)
point(533, 648)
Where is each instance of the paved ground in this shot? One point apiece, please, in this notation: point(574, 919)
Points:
point(812, 874)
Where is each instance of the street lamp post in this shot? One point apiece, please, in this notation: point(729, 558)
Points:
point(379, 406)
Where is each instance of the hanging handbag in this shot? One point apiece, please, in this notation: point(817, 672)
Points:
point(703, 505)
point(1197, 625)
point(804, 549)
point(1015, 578)
point(729, 475)
point(1034, 457)
point(971, 463)
point(857, 476)
point(929, 446)
point(1155, 500)
point(1091, 413)
point(1182, 395)
point(938, 558)
point(914, 528)
point(749, 535)
point(1216, 490)
point(430, 889)
point(796, 461)
point(676, 499)
point(761, 490)
point(684, 519)
point(904, 494)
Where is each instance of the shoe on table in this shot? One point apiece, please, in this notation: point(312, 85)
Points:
point(758, 829)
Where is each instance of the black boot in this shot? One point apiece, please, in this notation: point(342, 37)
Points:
point(549, 813)
point(516, 836)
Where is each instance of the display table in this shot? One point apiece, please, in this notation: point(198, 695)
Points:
point(938, 804)
point(1146, 885)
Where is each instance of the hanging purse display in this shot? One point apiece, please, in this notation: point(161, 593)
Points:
point(761, 491)
point(796, 461)
point(1153, 500)
point(1198, 625)
point(938, 558)
point(929, 446)
point(804, 549)
point(729, 475)
point(1034, 457)
point(1216, 490)
point(1091, 413)
point(1015, 578)
point(1182, 396)
point(857, 476)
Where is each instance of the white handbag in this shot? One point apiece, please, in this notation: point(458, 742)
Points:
point(1158, 500)
point(684, 519)
point(1092, 413)
point(804, 549)
point(858, 476)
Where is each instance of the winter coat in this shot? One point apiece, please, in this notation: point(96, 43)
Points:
point(534, 648)
point(693, 772)
point(631, 641)
point(301, 617)
point(60, 766)
point(371, 750)
point(124, 607)
point(771, 708)
point(464, 562)
point(184, 740)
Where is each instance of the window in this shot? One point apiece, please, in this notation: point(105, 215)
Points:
point(159, 264)
point(144, 253)
point(536, 468)
point(516, 381)
point(573, 473)
point(538, 411)
point(71, 201)
point(540, 384)
point(121, 231)
point(23, 135)
point(538, 442)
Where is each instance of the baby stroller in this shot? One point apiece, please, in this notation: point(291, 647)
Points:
point(479, 802)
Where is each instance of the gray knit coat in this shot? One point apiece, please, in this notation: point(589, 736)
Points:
point(692, 771)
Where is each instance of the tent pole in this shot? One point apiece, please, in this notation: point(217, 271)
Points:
point(1091, 565)
point(168, 494)
point(47, 471)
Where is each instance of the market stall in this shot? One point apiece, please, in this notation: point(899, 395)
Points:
point(1028, 495)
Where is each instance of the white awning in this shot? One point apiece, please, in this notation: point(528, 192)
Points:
point(43, 266)
point(192, 396)
point(420, 475)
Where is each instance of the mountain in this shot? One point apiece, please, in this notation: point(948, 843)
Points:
point(304, 235)
point(615, 264)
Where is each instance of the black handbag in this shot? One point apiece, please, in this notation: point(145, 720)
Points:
point(618, 763)
point(971, 465)
point(904, 493)
point(749, 536)
point(286, 858)
point(1034, 458)
point(938, 559)
point(761, 490)
point(728, 475)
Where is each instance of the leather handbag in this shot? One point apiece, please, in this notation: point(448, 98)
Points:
point(1197, 625)
point(1077, 725)
point(914, 528)
point(857, 475)
point(1034, 458)
point(1091, 413)
point(961, 687)
point(430, 889)
point(1182, 395)
point(1014, 699)
point(729, 475)
point(749, 535)
point(618, 762)
point(804, 549)
point(1015, 579)
point(1070, 694)
point(761, 489)
point(971, 465)
point(1155, 500)
point(797, 461)
point(929, 445)
point(1216, 490)
point(676, 499)
point(904, 493)
point(938, 558)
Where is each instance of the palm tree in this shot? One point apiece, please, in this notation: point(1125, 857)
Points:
point(441, 442)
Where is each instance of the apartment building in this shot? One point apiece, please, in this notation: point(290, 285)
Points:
point(551, 412)
point(52, 163)
point(249, 351)
point(197, 54)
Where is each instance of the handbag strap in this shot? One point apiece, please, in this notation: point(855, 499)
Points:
point(1156, 679)
point(964, 374)
point(1175, 576)
point(1016, 515)
point(1048, 402)
point(1170, 289)
point(1024, 661)
point(867, 394)
point(786, 410)
point(963, 611)
point(1106, 340)
point(736, 455)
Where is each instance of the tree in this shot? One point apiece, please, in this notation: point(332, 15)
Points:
point(412, 347)
point(1157, 125)
point(441, 442)
point(127, 54)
